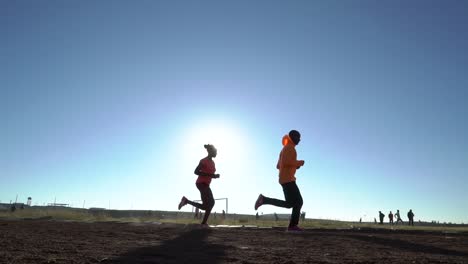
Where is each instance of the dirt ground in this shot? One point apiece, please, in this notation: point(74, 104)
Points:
point(46, 241)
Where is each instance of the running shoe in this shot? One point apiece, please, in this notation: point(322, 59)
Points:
point(183, 202)
point(259, 201)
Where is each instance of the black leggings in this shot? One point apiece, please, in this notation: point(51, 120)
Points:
point(207, 199)
point(293, 199)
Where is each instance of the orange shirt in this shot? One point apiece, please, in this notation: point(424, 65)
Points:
point(207, 166)
point(287, 162)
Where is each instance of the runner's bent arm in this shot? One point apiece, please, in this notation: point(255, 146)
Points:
point(201, 173)
point(289, 158)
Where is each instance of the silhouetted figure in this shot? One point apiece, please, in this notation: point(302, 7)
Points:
point(256, 216)
point(276, 217)
point(381, 217)
point(197, 211)
point(390, 218)
point(13, 208)
point(398, 218)
point(287, 166)
point(224, 214)
point(360, 220)
point(375, 221)
point(411, 218)
point(303, 216)
point(206, 171)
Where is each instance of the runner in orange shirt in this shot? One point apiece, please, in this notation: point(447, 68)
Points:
point(287, 166)
point(206, 171)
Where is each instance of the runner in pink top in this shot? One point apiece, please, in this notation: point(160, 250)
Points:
point(206, 171)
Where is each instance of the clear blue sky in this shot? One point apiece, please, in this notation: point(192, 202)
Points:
point(112, 101)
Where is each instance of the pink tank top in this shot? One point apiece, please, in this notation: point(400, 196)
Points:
point(207, 166)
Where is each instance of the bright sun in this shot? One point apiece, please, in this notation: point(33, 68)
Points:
point(226, 138)
point(233, 160)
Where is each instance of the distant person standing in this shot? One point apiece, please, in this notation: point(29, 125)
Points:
point(397, 216)
point(206, 171)
point(411, 218)
point(390, 218)
point(381, 217)
point(287, 166)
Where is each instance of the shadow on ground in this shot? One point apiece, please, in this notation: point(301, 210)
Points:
point(409, 246)
point(190, 247)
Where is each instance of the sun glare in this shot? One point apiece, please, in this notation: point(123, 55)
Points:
point(233, 160)
point(225, 137)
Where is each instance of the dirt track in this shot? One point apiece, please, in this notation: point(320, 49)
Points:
point(39, 241)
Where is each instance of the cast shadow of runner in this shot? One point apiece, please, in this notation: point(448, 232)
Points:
point(189, 247)
point(409, 246)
